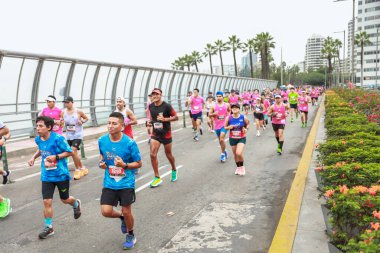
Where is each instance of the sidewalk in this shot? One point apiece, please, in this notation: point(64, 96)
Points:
point(310, 235)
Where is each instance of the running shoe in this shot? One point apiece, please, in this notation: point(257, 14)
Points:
point(258, 133)
point(292, 120)
point(5, 208)
point(226, 154)
point(305, 124)
point(130, 241)
point(156, 182)
point(212, 131)
point(46, 232)
point(279, 151)
point(223, 157)
point(237, 171)
point(84, 171)
point(123, 226)
point(6, 176)
point(77, 174)
point(242, 171)
point(77, 210)
point(174, 176)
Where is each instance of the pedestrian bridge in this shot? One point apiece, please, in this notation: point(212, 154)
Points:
point(27, 79)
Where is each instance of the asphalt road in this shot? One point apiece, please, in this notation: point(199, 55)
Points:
point(209, 209)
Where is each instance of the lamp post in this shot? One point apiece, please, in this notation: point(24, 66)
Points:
point(353, 39)
point(344, 51)
point(377, 54)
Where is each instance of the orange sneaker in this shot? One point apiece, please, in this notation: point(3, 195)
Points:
point(77, 174)
point(84, 171)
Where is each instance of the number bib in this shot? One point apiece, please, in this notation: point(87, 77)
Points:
point(278, 115)
point(257, 109)
point(236, 134)
point(116, 173)
point(158, 125)
point(196, 107)
point(55, 127)
point(70, 128)
point(221, 117)
point(49, 165)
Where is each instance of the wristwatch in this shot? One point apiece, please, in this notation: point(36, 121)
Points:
point(126, 166)
point(56, 157)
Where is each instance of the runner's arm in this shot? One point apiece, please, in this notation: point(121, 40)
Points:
point(82, 116)
point(4, 132)
point(34, 157)
point(132, 117)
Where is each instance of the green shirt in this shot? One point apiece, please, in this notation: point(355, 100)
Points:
point(293, 98)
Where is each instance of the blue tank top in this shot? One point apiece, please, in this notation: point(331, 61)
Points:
point(237, 131)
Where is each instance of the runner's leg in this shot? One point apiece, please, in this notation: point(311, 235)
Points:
point(154, 147)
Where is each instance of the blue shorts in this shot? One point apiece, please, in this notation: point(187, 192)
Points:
point(197, 116)
point(218, 131)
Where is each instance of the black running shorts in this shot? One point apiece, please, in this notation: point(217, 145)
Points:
point(124, 197)
point(75, 143)
point(294, 106)
point(276, 127)
point(49, 187)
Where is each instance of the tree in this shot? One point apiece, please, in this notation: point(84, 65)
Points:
point(187, 60)
point(210, 50)
point(329, 52)
point(220, 47)
point(235, 44)
point(250, 46)
point(362, 39)
point(263, 44)
point(178, 64)
point(197, 58)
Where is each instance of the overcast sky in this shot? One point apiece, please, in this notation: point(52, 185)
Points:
point(155, 32)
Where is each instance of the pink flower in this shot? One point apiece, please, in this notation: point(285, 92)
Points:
point(343, 189)
point(376, 214)
point(375, 226)
point(329, 193)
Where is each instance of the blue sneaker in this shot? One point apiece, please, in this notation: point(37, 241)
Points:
point(226, 154)
point(130, 241)
point(123, 226)
point(223, 157)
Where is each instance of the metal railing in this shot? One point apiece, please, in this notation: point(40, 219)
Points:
point(27, 79)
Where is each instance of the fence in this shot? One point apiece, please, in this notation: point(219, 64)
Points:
point(27, 79)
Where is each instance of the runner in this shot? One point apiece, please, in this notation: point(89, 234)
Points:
point(162, 114)
point(209, 104)
point(129, 117)
point(5, 134)
point(196, 102)
point(53, 148)
point(74, 120)
point(219, 112)
point(149, 128)
point(5, 203)
point(278, 113)
point(284, 95)
point(303, 104)
point(258, 113)
point(187, 104)
point(238, 125)
point(293, 100)
point(233, 98)
point(266, 107)
point(119, 157)
point(246, 96)
point(53, 112)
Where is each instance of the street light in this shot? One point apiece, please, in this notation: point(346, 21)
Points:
point(377, 54)
point(344, 51)
point(353, 39)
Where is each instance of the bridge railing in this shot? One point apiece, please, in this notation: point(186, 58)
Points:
point(27, 79)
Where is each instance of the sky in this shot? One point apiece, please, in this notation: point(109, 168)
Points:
point(154, 33)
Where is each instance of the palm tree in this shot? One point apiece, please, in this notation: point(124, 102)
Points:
point(210, 50)
point(178, 64)
point(235, 44)
point(197, 58)
point(362, 39)
point(187, 61)
point(250, 46)
point(328, 52)
point(220, 47)
point(338, 46)
point(263, 44)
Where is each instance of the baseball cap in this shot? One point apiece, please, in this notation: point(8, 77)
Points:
point(156, 90)
point(277, 96)
point(121, 98)
point(235, 105)
point(258, 98)
point(219, 93)
point(68, 99)
point(51, 98)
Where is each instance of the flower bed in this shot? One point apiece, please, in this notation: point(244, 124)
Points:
point(350, 169)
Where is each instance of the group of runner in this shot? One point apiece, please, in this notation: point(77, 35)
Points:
point(119, 154)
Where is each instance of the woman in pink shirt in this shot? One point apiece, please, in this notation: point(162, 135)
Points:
point(53, 112)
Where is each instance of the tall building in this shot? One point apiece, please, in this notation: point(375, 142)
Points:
point(229, 70)
point(369, 21)
point(313, 54)
point(245, 63)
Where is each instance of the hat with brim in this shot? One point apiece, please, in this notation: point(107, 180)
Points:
point(235, 105)
point(277, 96)
point(68, 99)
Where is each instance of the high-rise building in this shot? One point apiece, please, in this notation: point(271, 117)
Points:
point(349, 49)
point(229, 70)
point(313, 52)
point(245, 63)
point(369, 21)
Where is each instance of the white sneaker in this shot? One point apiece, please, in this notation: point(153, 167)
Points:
point(237, 171)
point(242, 171)
point(258, 133)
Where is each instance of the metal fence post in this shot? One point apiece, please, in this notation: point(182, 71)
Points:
point(82, 153)
point(184, 118)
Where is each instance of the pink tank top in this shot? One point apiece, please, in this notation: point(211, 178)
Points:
point(233, 99)
point(280, 117)
point(221, 117)
point(55, 114)
point(196, 105)
point(266, 104)
point(254, 97)
point(246, 97)
point(303, 105)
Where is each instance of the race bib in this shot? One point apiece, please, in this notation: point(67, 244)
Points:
point(158, 125)
point(236, 134)
point(49, 165)
point(221, 117)
point(257, 109)
point(70, 128)
point(278, 115)
point(116, 173)
point(196, 107)
point(55, 128)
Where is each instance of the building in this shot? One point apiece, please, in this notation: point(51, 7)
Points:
point(313, 54)
point(369, 21)
point(301, 66)
point(245, 63)
point(229, 70)
point(349, 50)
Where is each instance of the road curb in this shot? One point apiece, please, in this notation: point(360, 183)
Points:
point(286, 230)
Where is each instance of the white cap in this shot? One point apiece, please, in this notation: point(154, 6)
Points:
point(122, 99)
point(51, 99)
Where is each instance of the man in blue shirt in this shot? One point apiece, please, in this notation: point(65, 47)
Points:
point(53, 149)
point(119, 157)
